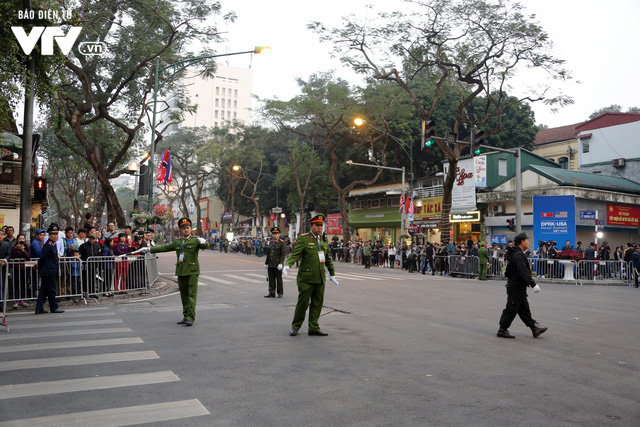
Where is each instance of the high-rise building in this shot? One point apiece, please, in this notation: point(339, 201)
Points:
point(221, 99)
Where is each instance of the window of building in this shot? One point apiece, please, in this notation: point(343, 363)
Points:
point(217, 102)
point(585, 145)
point(356, 205)
point(235, 105)
point(502, 167)
point(217, 90)
point(215, 124)
point(393, 201)
point(224, 91)
point(235, 93)
point(228, 103)
point(564, 162)
point(228, 115)
point(373, 204)
point(215, 114)
point(235, 115)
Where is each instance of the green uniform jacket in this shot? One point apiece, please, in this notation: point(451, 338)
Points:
point(366, 251)
point(277, 252)
point(483, 256)
point(190, 246)
point(311, 270)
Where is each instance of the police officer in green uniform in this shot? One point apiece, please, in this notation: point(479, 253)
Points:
point(187, 267)
point(274, 262)
point(483, 260)
point(314, 255)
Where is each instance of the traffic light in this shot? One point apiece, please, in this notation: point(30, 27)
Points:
point(427, 133)
point(143, 188)
point(39, 190)
point(511, 224)
point(476, 140)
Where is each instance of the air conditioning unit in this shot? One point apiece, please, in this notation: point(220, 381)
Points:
point(498, 209)
point(618, 163)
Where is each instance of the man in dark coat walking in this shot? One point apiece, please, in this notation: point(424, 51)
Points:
point(519, 279)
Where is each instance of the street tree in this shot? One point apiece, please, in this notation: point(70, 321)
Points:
point(473, 47)
point(321, 118)
point(117, 87)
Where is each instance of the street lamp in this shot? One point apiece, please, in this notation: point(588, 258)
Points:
point(176, 68)
point(403, 213)
point(358, 121)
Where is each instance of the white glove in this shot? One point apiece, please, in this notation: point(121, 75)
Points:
point(333, 279)
point(201, 240)
point(279, 266)
point(141, 250)
point(266, 266)
point(536, 289)
point(285, 270)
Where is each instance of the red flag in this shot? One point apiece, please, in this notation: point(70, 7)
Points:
point(164, 173)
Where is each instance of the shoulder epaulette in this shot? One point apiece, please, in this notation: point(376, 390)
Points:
point(305, 234)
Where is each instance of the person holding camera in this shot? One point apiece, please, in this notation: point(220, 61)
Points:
point(518, 280)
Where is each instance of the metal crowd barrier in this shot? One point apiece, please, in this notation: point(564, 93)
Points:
point(115, 275)
point(4, 287)
point(607, 270)
point(562, 269)
point(463, 265)
point(632, 274)
point(495, 268)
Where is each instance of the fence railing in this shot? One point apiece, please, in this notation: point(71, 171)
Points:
point(495, 269)
point(463, 265)
point(77, 279)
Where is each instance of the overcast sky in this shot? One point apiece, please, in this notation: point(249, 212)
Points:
point(597, 39)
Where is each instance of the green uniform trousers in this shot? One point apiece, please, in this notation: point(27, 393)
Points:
point(189, 294)
point(306, 293)
point(482, 271)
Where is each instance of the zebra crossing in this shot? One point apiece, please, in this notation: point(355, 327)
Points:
point(254, 277)
point(53, 364)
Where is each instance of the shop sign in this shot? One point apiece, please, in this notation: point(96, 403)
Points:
point(466, 217)
point(334, 224)
point(429, 225)
point(481, 171)
point(623, 215)
point(463, 195)
point(370, 216)
point(587, 214)
point(413, 229)
point(431, 208)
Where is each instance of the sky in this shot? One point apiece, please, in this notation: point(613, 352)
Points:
point(597, 40)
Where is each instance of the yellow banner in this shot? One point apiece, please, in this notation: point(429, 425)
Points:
point(431, 208)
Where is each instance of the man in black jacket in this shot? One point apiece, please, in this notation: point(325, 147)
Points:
point(519, 278)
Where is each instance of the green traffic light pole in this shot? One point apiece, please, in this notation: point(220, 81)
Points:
point(176, 68)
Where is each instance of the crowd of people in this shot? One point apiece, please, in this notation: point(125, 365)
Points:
point(75, 246)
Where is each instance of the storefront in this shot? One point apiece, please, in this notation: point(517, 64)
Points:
point(382, 226)
point(466, 226)
point(427, 218)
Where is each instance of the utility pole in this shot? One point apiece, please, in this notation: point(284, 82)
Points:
point(26, 181)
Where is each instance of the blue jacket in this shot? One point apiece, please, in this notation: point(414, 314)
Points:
point(36, 248)
point(48, 262)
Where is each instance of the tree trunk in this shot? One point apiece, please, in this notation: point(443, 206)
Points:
point(445, 225)
point(342, 202)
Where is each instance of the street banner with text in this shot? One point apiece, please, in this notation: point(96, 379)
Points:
point(554, 218)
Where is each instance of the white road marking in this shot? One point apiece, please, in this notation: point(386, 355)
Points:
point(97, 359)
point(70, 344)
point(125, 416)
point(70, 332)
point(243, 279)
point(14, 391)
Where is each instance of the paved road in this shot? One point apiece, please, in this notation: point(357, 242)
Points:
point(403, 349)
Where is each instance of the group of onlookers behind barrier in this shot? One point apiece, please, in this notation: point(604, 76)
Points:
point(77, 279)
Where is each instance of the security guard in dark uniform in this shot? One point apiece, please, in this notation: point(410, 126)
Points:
point(314, 255)
point(187, 267)
point(48, 266)
point(274, 263)
point(519, 278)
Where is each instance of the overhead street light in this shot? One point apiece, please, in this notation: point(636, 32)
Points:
point(403, 214)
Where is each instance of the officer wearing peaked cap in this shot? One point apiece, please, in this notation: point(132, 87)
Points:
point(48, 270)
point(314, 255)
point(274, 263)
point(187, 267)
